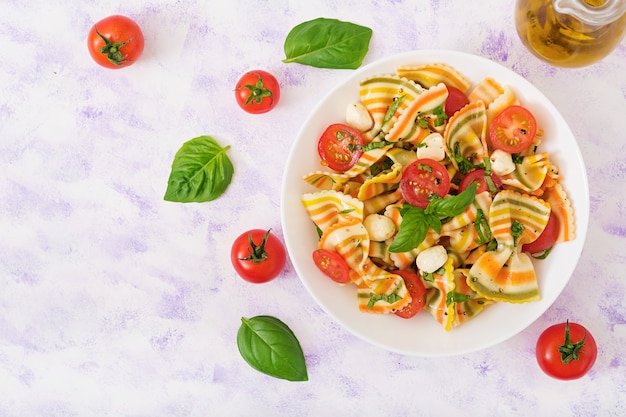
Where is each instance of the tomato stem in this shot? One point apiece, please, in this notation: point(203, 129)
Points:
point(258, 254)
point(112, 50)
point(570, 351)
point(257, 92)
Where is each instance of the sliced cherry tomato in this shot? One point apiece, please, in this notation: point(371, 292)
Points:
point(258, 256)
point(566, 351)
point(547, 238)
point(416, 289)
point(513, 129)
point(115, 42)
point(257, 92)
point(478, 176)
point(339, 147)
point(332, 264)
point(423, 178)
point(456, 100)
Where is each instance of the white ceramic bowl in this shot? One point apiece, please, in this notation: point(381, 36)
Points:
point(422, 335)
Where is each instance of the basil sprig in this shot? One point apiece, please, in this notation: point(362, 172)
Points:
point(328, 43)
point(269, 346)
point(416, 221)
point(201, 171)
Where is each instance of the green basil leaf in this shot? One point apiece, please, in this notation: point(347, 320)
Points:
point(454, 205)
point(269, 346)
point(201, 171)
point(412, 231)
point(456, 297)
point(327, 43)
point(391, 110)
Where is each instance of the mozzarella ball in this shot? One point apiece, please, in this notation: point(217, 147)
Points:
point(501, 162)
point(432, 147)
point(358, 117)
point(431, 259)
point(379, 227)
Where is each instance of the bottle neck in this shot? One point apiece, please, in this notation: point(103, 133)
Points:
point(608, 11)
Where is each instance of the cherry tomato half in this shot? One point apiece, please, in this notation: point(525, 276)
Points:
point(416, 289)
point(421, 179)
point(547, 238)
point(258, 256)
point(456, 101)
point(339, 147)
point(332, 264)
point(513, 129)
point(115, 42)
point(257, 92)
point(578, 351)
point(478, 176)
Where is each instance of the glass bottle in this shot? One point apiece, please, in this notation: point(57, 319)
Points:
point(570, 33)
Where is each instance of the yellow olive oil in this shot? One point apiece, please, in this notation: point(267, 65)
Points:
point(563, 39)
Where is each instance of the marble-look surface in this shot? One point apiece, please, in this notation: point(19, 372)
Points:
point(114, 302)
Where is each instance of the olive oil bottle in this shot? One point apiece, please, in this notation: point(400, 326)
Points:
point(571, 33)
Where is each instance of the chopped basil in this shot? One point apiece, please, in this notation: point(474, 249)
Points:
point(456, 297)
point(516, 231)
point(390, 298)
point(482, 228)
point(391, 110)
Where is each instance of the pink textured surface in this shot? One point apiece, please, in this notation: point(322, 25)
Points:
point(115, 302)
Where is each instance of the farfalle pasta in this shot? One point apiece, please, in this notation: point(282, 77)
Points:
point(487, 242)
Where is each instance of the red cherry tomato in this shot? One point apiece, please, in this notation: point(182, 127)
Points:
point(257, 92)
point(258, 256)
point(416, 289)
point(423, 178)
point(513, 129)
point(478, 176)
point(456, 101)
point(547, 238)
point(566, 351)
point(332, 264)
point(339, 147)
point(115, 42)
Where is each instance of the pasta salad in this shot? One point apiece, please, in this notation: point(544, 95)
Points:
point(436, 196)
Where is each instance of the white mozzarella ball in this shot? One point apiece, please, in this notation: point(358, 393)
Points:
point(432, 147)
point(358, 117)
point(379, 227)
point(431, 259)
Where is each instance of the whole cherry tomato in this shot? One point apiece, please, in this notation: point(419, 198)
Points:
point(566, 351)
point(258, 256)
point(257, 92)
point(115, 42)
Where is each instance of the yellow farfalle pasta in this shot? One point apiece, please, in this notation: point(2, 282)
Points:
point(327, 207)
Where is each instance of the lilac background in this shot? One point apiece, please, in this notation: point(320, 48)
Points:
point(114, 302)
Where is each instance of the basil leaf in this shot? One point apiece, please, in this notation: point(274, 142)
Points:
point(454, 205)
point(412, 231)
point(456, 297)
point(391, 110)
point(327, 43)
point(269, 346)
point(201, 171)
